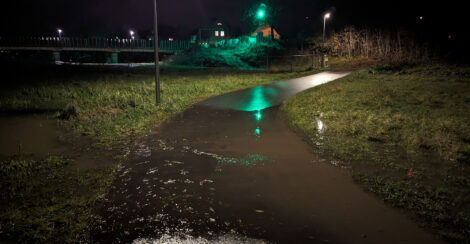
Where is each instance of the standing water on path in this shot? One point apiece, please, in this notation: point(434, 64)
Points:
point(224, 172)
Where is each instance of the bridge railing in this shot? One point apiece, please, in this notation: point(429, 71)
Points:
point(92, 43)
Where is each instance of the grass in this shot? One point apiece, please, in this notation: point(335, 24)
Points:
point(404, 130)
point(41, 200)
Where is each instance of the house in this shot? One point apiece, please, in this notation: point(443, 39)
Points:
point(209, 36)
point(265, 30)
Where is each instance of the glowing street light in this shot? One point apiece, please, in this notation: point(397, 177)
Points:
point(261, 13)
point(59, 31)
point(327, 16)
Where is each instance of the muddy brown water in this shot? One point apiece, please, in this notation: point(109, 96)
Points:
point(39, 136)
point(29, 135)
point(218, 174)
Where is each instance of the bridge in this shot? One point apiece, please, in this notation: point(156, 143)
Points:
point(111, 46)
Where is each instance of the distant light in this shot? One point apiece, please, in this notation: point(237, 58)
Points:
point(327, 16)
point(421, 17)
point(219, 24)
point(170, 39)
point(450, 36)
point(59, 30)
point(131, 32)
point(306, 17)
point(133, 37)
point(117, 37)
point(261, 13)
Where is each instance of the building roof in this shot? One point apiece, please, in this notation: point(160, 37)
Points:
point(266, 29)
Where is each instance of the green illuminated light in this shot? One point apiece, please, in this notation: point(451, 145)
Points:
point(260, 14)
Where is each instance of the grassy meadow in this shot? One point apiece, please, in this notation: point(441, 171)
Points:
point(404, 130)
point(43, 200)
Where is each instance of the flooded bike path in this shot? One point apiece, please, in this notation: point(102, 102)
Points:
point(233, 172)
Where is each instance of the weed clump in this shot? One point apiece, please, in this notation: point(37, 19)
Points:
point(70, 111)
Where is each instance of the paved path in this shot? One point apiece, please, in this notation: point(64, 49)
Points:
point(229, 170)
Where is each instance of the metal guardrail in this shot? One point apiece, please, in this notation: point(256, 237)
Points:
point(103, 44)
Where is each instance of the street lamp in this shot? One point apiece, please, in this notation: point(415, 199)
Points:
point(327, 16)
point(59, 31)
point(131, 32)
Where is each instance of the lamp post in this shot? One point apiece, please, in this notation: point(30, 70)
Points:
point(327, 16)
point(155, 39)
point(59, 31)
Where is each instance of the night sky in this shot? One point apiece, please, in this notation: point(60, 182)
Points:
point(181, 17)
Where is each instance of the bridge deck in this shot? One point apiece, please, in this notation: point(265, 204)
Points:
point(85, 49)
point(56, 44)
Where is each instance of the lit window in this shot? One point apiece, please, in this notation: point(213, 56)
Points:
point(216, 33)
point(222, 33)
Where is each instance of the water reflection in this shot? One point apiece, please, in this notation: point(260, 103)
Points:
point(262, 97)
point(257, 132)
point(320, 126)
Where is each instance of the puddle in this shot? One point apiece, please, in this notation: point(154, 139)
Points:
point(39, 136)
point(29, 135)
point(210, 174)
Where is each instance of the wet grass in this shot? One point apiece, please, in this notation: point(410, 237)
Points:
point(404, 130)
point(42, 202)
point(113, 107)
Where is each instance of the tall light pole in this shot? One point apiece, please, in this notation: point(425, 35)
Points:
point(327, 16)
point(155, 39)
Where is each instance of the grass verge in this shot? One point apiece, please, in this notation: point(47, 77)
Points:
point(404, 130)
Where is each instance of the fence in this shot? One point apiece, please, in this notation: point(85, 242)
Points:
point(293, 63)
point(92, 43)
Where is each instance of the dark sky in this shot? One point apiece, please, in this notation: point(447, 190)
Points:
point(116, 17)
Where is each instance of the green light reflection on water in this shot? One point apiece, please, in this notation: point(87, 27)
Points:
point(258, 115)
point(258, 99)
point(257, 131)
